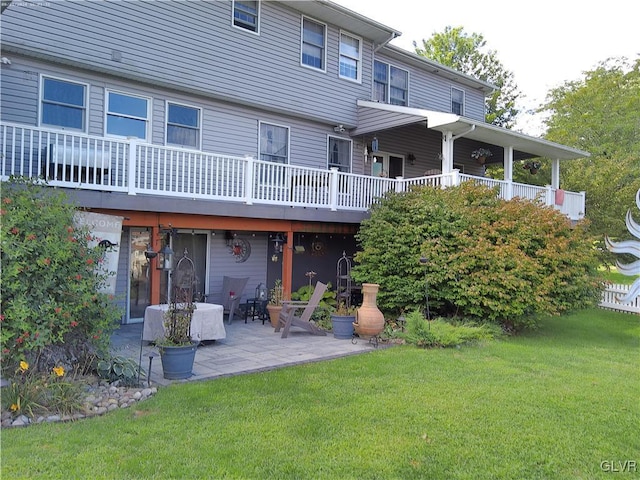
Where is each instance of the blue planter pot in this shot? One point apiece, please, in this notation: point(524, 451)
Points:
point(342, 326)
point(177, 362)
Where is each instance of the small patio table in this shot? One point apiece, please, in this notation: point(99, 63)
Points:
point(206, 324)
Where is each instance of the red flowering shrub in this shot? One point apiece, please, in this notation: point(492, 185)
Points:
point(50, 287)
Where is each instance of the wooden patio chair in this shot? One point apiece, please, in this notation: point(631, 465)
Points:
point(288, 317)
point(229, 303)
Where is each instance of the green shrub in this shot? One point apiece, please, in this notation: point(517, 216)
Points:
point(442, 333)
point(487, 259)
point(321, 315)
point(114, 368)
point(50, 285)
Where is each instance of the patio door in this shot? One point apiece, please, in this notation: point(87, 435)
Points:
point(195, 244)
point(139, 286)
point(387, 165)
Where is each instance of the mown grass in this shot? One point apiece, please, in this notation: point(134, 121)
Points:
point(551, 404)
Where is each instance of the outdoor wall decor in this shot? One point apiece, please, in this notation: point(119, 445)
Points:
point(632, 247)
point(240, 249)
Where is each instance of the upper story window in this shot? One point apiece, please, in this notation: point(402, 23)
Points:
point(246, 15)
point(390, 84)
point(127, 115)
point(340, 154)
point(63, 103)
point(350, 57)
point(183, 125)
point(274, 143)
point(314, 44)
point(457, 101)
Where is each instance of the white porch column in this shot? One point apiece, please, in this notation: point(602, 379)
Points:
point(508, 172)
point(447, 152)
point(555, 173)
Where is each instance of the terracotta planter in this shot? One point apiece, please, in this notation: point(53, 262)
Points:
point(369, 319)
point(481, 160)
point(274, 314)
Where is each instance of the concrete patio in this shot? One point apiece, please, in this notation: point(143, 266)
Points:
point(250, 347)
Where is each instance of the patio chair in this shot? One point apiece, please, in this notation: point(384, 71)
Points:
point(229, 302)
point(288, 318)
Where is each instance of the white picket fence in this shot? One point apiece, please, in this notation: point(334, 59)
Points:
point(610, 299)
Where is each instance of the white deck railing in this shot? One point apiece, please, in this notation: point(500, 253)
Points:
point(90, 162)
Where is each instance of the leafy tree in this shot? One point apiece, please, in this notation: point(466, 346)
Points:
point(487, 259)
point(599, 114)
point(467, 54)
point(52, 311)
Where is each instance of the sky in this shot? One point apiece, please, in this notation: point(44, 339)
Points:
point(544, 43)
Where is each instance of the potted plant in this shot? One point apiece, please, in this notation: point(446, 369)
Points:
point(177, 349)
point(533, 167)
point(481, 155)
point(342, 319)
point(274, 307)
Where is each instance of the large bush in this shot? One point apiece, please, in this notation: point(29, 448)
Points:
point(487, 259)
point(52, 311)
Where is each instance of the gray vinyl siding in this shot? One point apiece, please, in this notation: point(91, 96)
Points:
point(19, 88)
point(222, 263)
point(432, 92)
point(228, 129)
point(193, 46)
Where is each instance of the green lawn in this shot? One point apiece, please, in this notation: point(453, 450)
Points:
point(552, 404)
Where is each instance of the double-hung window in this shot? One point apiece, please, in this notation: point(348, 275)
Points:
point(274, 143)
point(183, 125)
point(314, 38)
point(399, 86)
point(127, 115)
point(350, 57)
point(340, 154)
point(63, 103)
point(390, 84)
point(246, 15)
point(457, 101)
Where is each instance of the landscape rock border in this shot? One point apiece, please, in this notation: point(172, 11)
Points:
point(101, 397)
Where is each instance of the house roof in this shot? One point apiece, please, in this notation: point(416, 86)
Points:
point(342, 17)
point(375, 117)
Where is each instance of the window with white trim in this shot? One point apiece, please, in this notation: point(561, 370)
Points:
point(350, 57)
point(274, 143)
point(339, 154)
point(127, 115)
point(183, 125)
point(457, 101)
point(63, 103)
point(390, 84)
point(246, 15)
point(314, 44)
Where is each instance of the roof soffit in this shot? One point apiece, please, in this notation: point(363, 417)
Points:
point(455, 124)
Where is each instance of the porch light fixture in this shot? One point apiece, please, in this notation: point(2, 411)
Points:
point(165, 255)
point(278, 241)
point(374, 144)
point(339, 129)
point(412, 158)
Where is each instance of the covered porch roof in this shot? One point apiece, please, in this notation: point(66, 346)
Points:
point(375, 117)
